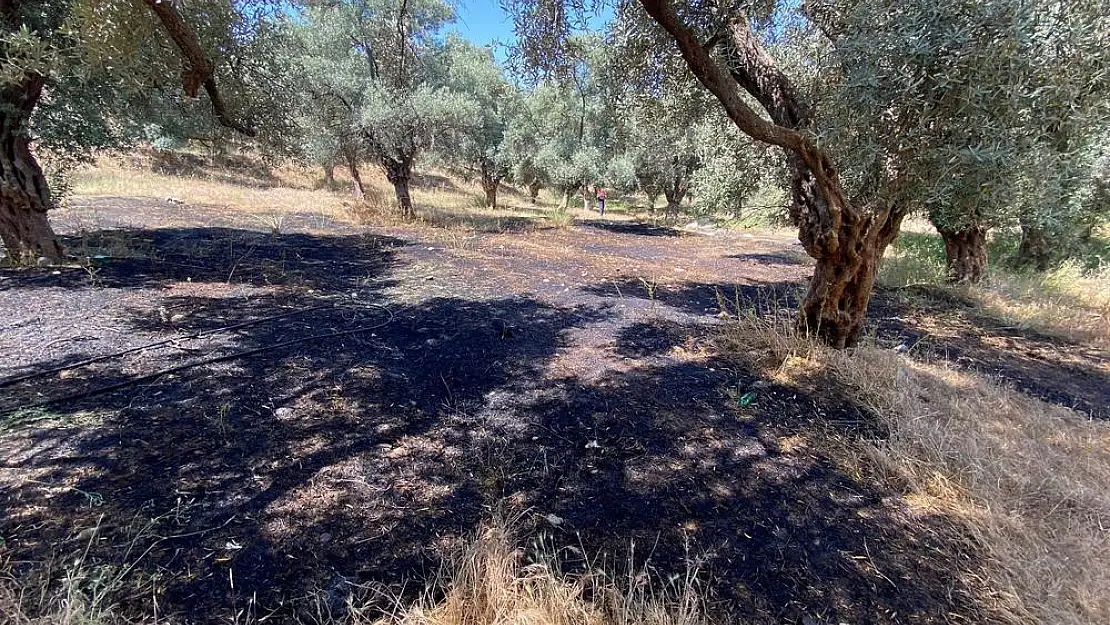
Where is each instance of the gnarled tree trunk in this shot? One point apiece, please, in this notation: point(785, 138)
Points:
point(399, 171)
point(846, 238)
point(352, 167)
point(965, 252)
point(674, 202)
point(835, 307)
point(24, 195)
point(490, 184)
point(1035, 250)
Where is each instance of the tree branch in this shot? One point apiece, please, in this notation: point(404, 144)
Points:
point(199, 70)
point(718, 81)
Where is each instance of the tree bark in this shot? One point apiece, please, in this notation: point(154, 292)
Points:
point(24, 194)
point(847, 239)
point(399, 171)
point(675, 193)
point(835, 307)
point(965, 252)
point(352, 166)
point(490, 184)
point(674, 201)
point(1035, 250)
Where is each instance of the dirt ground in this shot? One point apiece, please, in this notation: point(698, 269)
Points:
point(357, 399)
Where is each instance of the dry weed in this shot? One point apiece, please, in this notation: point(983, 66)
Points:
point(1026, 478)
point(488, 583)
point(1067, 301)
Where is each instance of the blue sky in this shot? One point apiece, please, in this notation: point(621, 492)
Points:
point(485, 22)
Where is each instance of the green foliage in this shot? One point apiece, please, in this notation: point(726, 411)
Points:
point(733, 168)
point(368, 88)
point(975, 113)
point(113, 77)
point(492, 104)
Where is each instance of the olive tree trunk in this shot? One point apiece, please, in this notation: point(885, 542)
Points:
point(965, 253)
point(398, 170)
point(356, 175)
point(24, 194)
point(1035, 250)
point(674, 204)
point(846, 238)
point(490, 183)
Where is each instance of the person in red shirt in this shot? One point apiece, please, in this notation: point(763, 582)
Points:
point(601, 200)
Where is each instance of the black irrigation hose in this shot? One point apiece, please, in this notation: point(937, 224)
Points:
point(206, 361)
point(186, 337)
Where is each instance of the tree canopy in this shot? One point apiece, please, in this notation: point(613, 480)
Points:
point(976, 115)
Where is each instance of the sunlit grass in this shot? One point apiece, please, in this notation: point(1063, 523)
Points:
point(1024, 478)
point(1070, 301)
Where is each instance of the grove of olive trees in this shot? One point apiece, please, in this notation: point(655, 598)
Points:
point(976, 115)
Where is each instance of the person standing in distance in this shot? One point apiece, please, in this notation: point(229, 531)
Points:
point(601, 200)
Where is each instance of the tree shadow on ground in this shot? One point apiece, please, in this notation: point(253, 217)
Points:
point(1049, 368)
point(226, 168)
point(699, 298)
point(774, 259)
point(634, 228)
point(489, 224)
point(150, 258)
point(316, 466)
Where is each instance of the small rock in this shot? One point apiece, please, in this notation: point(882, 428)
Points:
point(554, 520)
point(284, 412)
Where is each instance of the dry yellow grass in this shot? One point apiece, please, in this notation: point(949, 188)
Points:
point(487, 582)
point(1069, 301)
point(1066, 301)
point(442, 201)
point(1027, 479)
point(292, 191)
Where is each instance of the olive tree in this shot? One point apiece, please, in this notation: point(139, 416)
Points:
point(720, 46)
point(986, 109)
point(481, 149)
point(373, 82)
point(850, 191)
point(53, 51)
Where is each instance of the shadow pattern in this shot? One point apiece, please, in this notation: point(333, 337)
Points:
point(316, 467)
